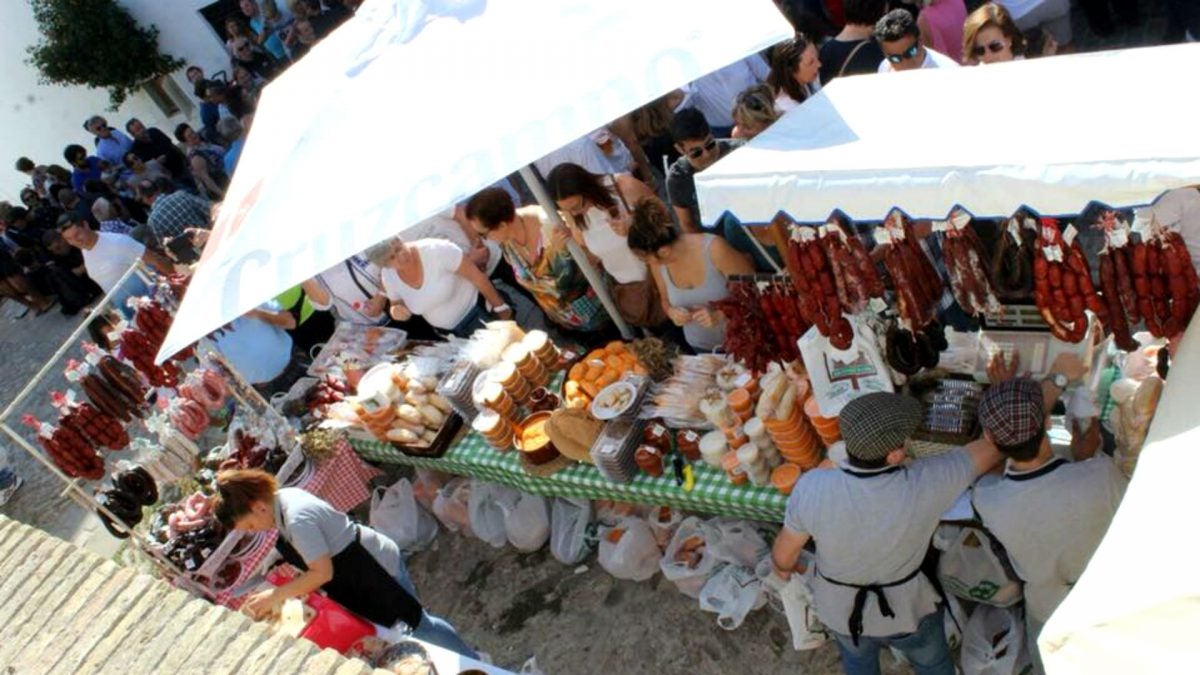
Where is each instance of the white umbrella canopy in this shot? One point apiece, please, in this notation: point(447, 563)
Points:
point(1052, 134)
point(413, 105)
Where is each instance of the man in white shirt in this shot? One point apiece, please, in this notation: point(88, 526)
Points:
point(107, 255)
point(715, 93)
point(1178, 211)
point(900, 39)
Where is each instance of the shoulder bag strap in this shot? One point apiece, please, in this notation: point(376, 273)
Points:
point(354, 278)
point(853, 52)
point(620, 195)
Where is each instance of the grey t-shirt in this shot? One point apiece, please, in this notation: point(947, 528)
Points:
point(875, 528)
point(1050, 521)
point(316, 529)
point(681, 179)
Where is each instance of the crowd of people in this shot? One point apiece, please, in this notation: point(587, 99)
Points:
point(625, 197)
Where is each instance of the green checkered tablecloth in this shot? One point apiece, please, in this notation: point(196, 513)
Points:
point(470, 455)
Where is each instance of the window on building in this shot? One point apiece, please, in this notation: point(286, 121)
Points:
point(216, 13)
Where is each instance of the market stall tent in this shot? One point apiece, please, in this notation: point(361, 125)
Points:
point(413, 105)
point(1054, 135)
point(1137, 606)
point(1051, 134)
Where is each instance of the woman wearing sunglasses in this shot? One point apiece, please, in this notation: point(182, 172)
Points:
point(991, 36)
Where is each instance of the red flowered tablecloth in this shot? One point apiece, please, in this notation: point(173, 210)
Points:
point(342, 480)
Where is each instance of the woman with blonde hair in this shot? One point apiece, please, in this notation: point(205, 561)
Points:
point(356, 566)
point(753, 111)
point(991, 36)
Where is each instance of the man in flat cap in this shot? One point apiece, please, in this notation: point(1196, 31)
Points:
point(872, 519)
point(1049, 513)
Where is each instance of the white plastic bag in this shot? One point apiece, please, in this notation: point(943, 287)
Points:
point(528, 523)
point(628, 551)
point(689, 561)
point(838, 376)
point(395, 513)
point(426, 484)
point(663, 521)
point(452, 505)
point(994, 643)
point(488, 504)
point(568, 530)
point(731, 594)
point(736, 542)
point(795, 597)
point(970, 568)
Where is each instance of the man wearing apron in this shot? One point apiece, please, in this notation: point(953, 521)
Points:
point(356, 566)
point(871, 520)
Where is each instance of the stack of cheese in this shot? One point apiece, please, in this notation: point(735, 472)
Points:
point(400, 409)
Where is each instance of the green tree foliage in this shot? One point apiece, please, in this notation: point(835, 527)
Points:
point(96, 43)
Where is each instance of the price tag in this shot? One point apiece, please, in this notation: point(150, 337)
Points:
point(1053, 253)
point(1014, 231)
point(882, 236)
point(804, 234)
point(1069, 234)
point(941, 225)
point(1118, 236)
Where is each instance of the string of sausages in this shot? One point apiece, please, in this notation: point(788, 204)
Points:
point(1063, 286)
point(764, 324)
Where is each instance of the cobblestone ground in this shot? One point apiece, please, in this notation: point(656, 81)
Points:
point(25, 345)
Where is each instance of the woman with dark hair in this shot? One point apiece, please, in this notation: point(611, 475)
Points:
point(536, 249)
point(991, 36)
point(795, 72)
point(206, 160)
point(597, 211)
point(690, 270)
point(356, 566)
point(854, 50)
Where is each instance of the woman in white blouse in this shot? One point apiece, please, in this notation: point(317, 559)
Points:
point(597, 209)
point(795, 72)
point(432, 278)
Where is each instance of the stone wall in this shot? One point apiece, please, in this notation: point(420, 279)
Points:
point(66, 610)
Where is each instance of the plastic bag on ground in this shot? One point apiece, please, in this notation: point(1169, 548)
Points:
point(663, 522)
point(395, 512)
point(452, 505)
point(628, 551)
point(569, 521)
point(994, 643)
point(731, 594)
point(736, 542)
point(610, 513)
point(528, 523)
point(689, 561)
point(426, 484)
point(487, 505)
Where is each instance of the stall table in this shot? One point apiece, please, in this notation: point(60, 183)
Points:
point(469, 455)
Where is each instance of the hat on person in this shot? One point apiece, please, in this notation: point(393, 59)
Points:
point(878, 423)
point(67, 220)
point(1013, 411)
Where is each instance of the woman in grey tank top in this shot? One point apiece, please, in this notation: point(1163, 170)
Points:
point(690, 271)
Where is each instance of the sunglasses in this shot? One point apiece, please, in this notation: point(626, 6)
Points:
point(907, 54)
point(995, 47)
point(708, 146)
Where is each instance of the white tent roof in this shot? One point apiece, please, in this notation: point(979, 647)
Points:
point(1137, 606)
point(1052, 134)
point(402, 112)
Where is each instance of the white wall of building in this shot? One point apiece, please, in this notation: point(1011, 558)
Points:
point(39, 120)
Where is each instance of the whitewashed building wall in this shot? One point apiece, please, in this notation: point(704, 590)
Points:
point(38, 120)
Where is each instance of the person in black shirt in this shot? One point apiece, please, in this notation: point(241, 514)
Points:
point(854, 51)
point(151, 143)
point(68, 274)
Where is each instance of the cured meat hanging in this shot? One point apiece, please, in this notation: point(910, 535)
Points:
point(969, 280)
point(1063, 287)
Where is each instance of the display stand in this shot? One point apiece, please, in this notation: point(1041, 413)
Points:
point(78, 490)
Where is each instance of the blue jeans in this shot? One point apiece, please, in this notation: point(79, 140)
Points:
point(433, 629)
point(925, 649)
